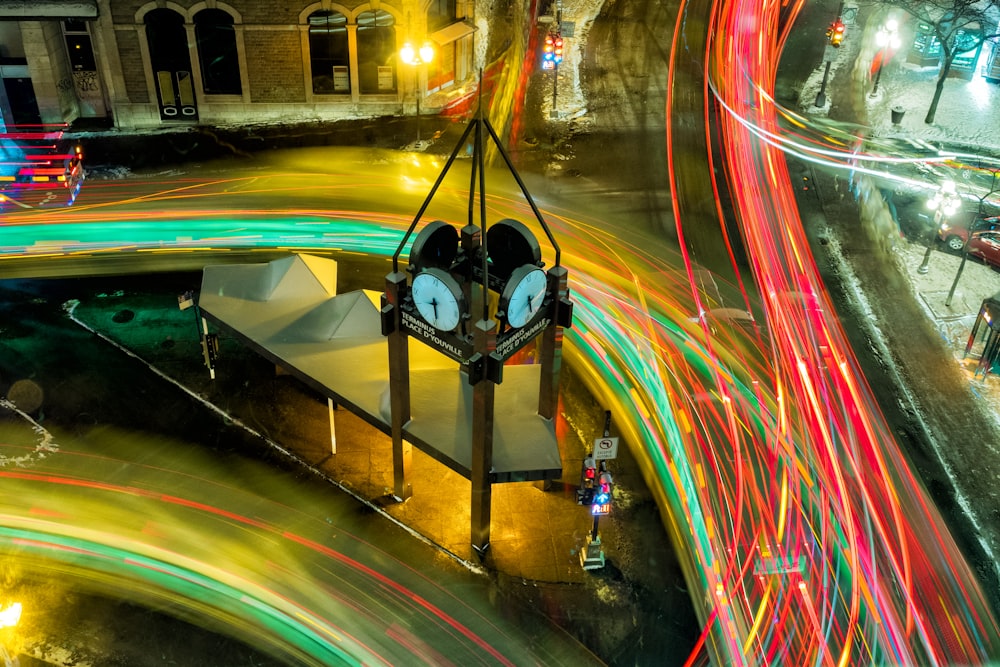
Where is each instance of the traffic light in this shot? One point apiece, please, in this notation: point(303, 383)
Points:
point(588, 482)
point(548, 52)
point(557, 48)
point(602, 495)
point(835, 33)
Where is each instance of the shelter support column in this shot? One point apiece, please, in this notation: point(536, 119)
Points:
point(399, 391)
point(483, 395)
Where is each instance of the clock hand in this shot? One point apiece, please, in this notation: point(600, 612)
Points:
point(434, 305)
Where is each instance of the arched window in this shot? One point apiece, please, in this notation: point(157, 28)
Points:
point(167, 39)
point(329, 52)
point(376, 52)
point(171, 62)
point(220, 62)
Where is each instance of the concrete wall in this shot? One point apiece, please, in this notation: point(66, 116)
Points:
point(272, 40)
point(48, 64)
point(273, 46)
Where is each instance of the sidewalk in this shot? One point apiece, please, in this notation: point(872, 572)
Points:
point(966, 119)
point(954, 322)
point(968, 112)
point(967, 116)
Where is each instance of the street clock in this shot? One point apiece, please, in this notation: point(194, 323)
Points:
point(435, 307)
point(476, 294)
point(438, 299)
point(523, 296)
point(509, 244)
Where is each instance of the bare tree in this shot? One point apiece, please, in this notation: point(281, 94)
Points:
point(958, 25)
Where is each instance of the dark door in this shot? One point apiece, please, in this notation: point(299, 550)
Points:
point(23, 105)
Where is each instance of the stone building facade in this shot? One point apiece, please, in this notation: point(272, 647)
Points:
point(148, 63)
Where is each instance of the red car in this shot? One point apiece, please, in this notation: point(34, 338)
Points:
point(984, 244)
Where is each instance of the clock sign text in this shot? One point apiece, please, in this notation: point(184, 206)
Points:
point(432, 336)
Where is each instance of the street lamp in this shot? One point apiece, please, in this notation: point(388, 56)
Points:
point(944, 203)
point(9, 617)
point(411, 56)
point(887, 38)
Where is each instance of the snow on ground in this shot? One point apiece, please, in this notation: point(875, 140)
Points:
point(968, 113)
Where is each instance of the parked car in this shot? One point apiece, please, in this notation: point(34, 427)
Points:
point(984, 244)
point(954, 234)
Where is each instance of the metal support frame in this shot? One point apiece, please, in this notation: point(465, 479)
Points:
point(484, 338)
point(483, 404)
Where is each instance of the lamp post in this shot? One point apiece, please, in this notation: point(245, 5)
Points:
point(886, 37)
point(415, 57)
point(944, 203)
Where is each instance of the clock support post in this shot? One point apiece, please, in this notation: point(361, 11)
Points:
point(399, 386)
point(483, 402)
point(550, 348)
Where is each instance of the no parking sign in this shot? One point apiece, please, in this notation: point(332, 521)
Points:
point(605, 448)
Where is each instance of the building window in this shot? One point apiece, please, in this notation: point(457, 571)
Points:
point(81, 55)
point(329, 53)
point(167, 40)
point(440, 14)
point(219, 59)
point(11, 46)
point(376, 53)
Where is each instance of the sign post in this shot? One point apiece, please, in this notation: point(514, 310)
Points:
point(605, 449)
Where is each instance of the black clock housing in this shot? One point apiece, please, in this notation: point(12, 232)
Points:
point(435, 247)
point(510, 244)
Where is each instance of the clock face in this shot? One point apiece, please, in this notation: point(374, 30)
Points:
point(438, 299)
point(524, 295)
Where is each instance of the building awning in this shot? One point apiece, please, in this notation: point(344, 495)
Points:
point(452, 33)
point(41, 10)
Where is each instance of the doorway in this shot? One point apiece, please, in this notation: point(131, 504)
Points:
point(171, 61)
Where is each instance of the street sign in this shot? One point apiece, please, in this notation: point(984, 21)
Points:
point(605, 448)
point(567, 28)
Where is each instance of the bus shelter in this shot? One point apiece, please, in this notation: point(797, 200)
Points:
point(984, 341)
